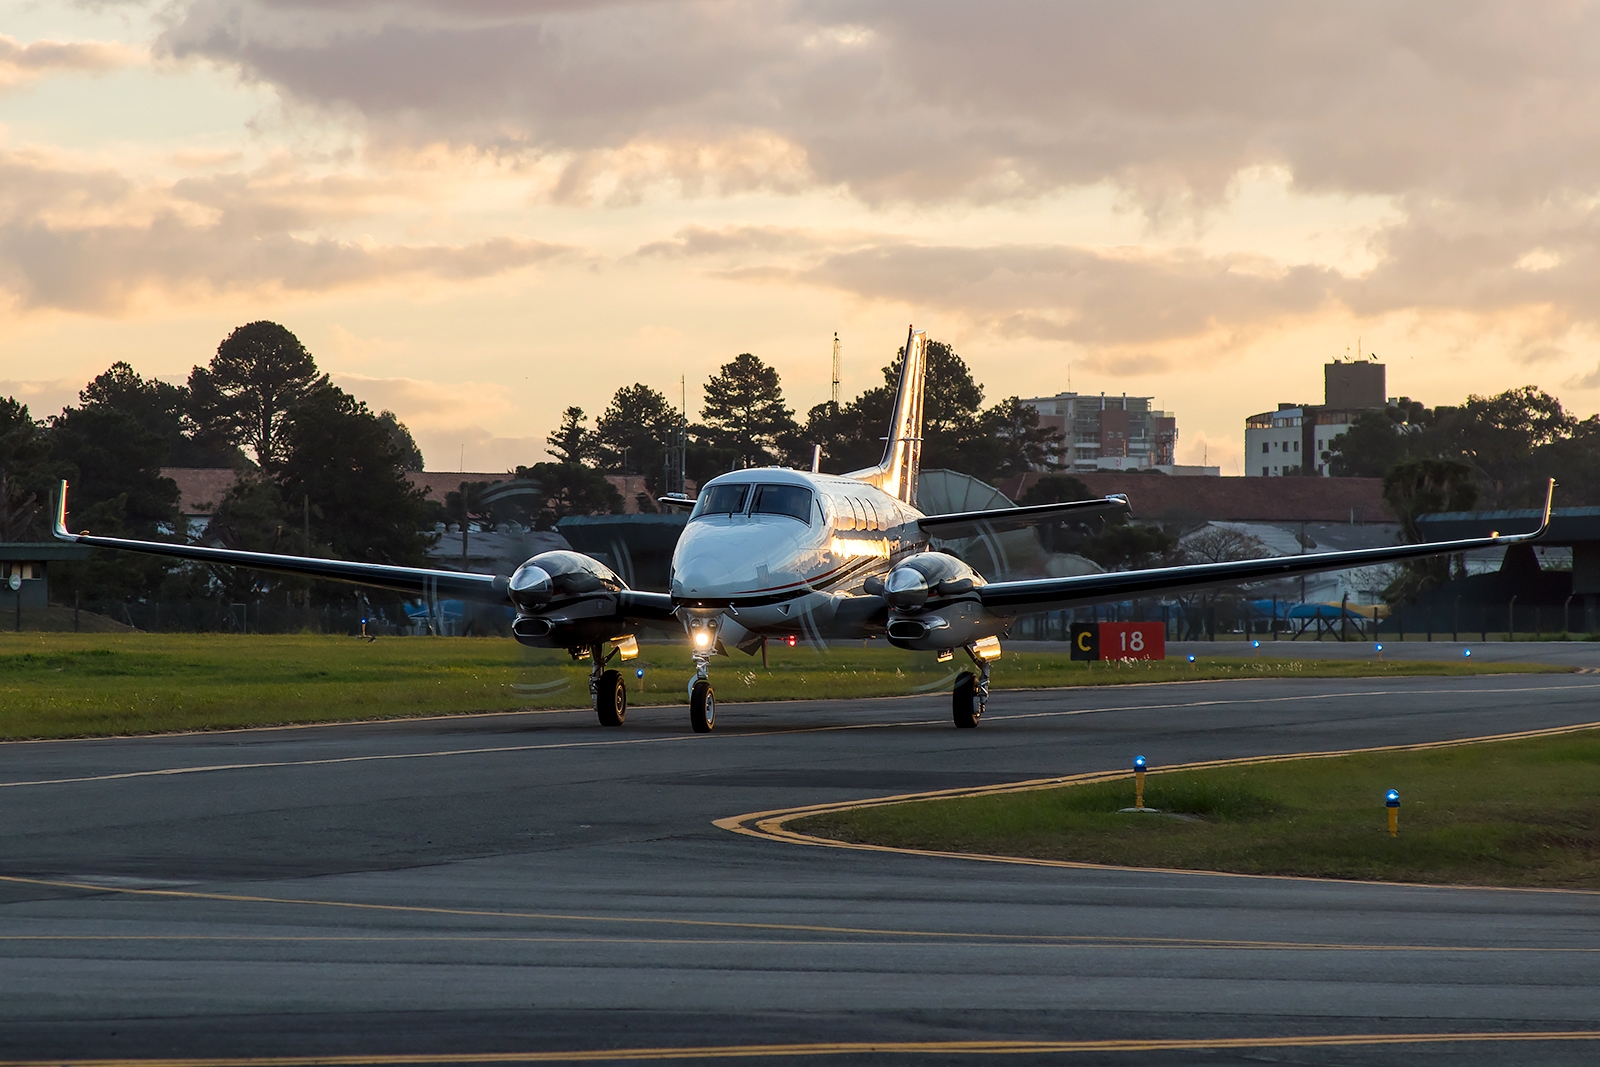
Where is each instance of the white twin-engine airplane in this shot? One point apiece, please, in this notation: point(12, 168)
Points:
point(778, 553)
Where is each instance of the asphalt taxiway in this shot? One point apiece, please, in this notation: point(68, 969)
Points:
point(532, 883)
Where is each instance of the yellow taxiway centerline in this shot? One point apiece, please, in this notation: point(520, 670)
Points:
point(842, 1048)
point(772, 825)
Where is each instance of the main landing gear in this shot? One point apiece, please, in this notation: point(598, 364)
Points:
point(607, 689)
point(971, 693)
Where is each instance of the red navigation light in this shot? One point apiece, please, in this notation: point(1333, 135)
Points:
point(791, 640)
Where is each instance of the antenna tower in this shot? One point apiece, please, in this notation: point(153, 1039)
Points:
point(836, 370)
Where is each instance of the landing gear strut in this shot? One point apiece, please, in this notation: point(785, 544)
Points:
point(702, 701)
point(971, 694)
point(607, 689)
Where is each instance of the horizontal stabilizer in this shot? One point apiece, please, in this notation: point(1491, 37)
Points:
point(1031, 515)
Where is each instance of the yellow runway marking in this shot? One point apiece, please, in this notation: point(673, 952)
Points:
point(853, 932)
point(771, 825)
point(842, 1048)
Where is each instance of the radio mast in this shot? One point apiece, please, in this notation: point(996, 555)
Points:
point(836, 371)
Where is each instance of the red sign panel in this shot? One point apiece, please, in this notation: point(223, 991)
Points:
point(1133, 640)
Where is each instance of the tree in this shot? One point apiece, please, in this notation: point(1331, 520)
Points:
point(1017, 442)
point(162, 409)
point(1375, 442)
point(571, 489)
point(1418, 487)
point(744, 412)
point(253, 517)
point(260, 373)
point(634, 431)
point(1124, 545)
point(1056, 489)
point(572, 441)
point(114, 465)
point(24, 479)
point(342, 460)
point(956, 431)
point(409, 456)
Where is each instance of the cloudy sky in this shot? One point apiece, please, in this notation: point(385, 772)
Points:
point(477, 212)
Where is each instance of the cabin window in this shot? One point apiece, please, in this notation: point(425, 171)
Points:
point(721, 500)
point(791, 500)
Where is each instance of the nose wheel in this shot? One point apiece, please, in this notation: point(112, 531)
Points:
point(702, 706)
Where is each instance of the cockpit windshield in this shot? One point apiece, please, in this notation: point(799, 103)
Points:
point(791, 500)
point(721, 500)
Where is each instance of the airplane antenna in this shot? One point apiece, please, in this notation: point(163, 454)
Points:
point(836, 369)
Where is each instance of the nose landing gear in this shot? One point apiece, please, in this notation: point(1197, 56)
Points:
point(702, 701)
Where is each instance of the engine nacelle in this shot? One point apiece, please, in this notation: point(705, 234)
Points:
point(933, 604)
point(564, 599)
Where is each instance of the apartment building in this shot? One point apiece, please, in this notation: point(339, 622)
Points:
point(1295, 438)
point(1111, 433)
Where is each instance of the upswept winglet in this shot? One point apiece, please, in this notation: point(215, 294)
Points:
point(61, 515)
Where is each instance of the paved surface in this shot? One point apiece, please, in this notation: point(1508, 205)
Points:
point(533, 882)
point(1579, 654)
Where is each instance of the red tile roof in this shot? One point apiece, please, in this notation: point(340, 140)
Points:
point(200, 489)
point(1159, 496)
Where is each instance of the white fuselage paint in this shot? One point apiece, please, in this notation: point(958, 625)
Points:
point(773, 573)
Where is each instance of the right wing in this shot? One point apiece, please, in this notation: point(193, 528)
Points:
point(419, 581)
point(1050, 594)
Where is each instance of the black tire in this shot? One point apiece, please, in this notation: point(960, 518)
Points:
point(964, 705)
point(611, 699)
point(702, 707)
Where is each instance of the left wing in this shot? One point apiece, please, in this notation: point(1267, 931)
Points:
point(419, 581)
point(1049, 594)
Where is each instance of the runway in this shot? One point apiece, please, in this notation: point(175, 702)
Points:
point(532, 884)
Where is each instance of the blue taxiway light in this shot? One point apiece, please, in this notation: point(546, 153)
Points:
point(639, 673)
point(1392, 798)
point(1191, 659)
point(1138, 763)
point(1467, 653)
point(1380, 646)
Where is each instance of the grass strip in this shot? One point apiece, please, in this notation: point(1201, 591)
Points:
point(1509, 813)
point(81, 685)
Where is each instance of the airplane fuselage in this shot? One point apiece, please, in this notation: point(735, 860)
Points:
point(774, 547)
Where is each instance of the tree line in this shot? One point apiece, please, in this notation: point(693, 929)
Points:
point(1490, 453)
point(319, 472)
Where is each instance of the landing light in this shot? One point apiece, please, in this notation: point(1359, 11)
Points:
point(701, 639)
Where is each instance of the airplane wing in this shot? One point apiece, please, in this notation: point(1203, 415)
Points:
point(418, 581)
point(1031, 515)
point(1049, 594)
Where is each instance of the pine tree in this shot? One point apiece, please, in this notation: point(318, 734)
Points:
point(744, 410)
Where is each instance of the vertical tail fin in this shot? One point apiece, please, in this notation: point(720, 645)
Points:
point(902, 453)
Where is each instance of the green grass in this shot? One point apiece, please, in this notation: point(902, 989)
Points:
point(1513, 813)
point(69, 685)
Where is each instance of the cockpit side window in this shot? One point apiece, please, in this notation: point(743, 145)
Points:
point(721, 500)
point(791, 500)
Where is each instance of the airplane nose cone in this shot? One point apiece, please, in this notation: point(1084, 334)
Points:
point(531, 587)
point(906, 589)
